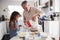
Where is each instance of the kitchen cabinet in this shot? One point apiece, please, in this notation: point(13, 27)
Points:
point(59, 28)
point(52, 28)
point(3, 29)
point(56, 5)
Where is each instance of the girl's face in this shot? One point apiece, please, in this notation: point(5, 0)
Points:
point(17, 17)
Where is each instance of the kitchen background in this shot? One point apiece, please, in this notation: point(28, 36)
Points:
point(8, 6)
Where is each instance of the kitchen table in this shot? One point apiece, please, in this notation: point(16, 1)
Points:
point(26, 36)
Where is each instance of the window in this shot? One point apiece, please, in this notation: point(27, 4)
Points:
point(15, 8)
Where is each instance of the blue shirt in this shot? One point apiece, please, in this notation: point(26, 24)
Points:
point(14, 32)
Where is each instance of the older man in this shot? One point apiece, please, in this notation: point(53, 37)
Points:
point(30, 13)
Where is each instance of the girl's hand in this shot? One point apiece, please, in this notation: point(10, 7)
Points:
point(16, 27)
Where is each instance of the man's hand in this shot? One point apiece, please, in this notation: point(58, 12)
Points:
point(34, 18)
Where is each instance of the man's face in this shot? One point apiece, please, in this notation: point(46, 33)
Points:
point(25, 7)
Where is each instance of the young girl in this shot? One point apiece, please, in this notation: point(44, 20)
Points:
point(13, 24)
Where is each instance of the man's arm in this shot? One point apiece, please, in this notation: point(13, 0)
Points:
point(37, 13)
point(24, 19)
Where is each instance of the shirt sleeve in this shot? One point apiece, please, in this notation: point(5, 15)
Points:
point(37, 12)
point(24, 17)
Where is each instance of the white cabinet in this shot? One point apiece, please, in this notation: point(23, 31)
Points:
point(56, 5)
point(2, 29)
point(59, 28)
point(52, 28)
